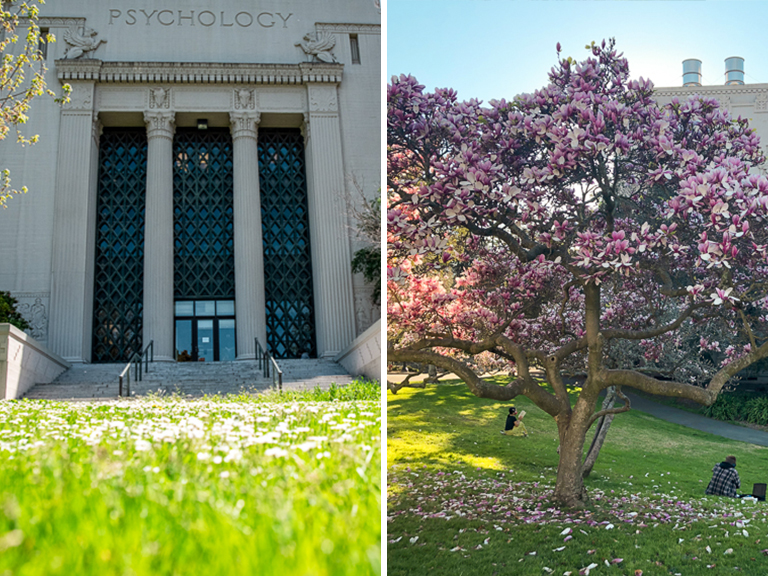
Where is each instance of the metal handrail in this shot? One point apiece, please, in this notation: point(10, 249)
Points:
point(264, 360)
point(277, 372)
point(261, 358)
point(147, 356)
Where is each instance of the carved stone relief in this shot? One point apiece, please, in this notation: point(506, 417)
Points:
point(318, 46)
point(323, 99)
point(33, 306)
point(365, 311)
point(761, 103)
point(245, 99)
point(81, 97)
point(160, 98)
point(81, 43)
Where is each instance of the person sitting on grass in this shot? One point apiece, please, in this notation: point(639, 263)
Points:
point(725, 479)
point(514, 425)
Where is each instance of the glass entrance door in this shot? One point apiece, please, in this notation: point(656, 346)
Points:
point(205, 331)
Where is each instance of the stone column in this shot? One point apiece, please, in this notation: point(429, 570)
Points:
point(250, 301)
point(71, 305)
point(158, 311)
point(329, 229)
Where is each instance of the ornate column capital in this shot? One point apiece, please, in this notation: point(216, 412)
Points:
point(160, 124)
point(244, 124)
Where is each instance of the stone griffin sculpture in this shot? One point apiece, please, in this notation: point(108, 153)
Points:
point(80, 44)
point(318, 47)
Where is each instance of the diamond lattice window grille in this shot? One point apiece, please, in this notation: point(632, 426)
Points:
point(119, 261)
point(204, 259)
point(287, 260)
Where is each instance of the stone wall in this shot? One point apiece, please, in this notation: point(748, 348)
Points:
point(24, 362)
point(363, 356)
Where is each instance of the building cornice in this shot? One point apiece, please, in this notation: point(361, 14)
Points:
point(348, 28)
point(54, 22)
point(712, 90)
point(198, 72)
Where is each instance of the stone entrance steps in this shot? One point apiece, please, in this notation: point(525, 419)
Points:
point(189, 379)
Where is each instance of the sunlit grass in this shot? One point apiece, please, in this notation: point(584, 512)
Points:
point(455, 482)
point(164, 486)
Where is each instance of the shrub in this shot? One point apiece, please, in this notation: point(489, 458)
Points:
point(755, 410)
point(8, 311)
point(726, 407)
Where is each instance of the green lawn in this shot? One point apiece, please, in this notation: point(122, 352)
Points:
point(463, 499)
point(224, 486)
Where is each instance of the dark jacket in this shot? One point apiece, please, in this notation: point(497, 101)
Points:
point(510, 422)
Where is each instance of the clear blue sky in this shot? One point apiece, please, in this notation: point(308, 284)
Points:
point(500, 48)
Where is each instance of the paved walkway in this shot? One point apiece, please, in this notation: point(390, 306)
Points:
point(668, 413)
point(697, 421)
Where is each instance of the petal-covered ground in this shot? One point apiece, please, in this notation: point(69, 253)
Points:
point(483, 519)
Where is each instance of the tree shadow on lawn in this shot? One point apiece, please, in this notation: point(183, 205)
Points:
point(445, 426)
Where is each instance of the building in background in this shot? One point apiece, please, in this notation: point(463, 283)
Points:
point(740, 99)
point(197, 191)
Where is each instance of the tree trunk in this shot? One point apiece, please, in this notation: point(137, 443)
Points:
point(569, 489)
point(601, 431)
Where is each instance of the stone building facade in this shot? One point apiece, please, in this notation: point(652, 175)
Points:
point(198, 189)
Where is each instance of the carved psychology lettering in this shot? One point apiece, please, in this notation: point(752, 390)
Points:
point(205, 18)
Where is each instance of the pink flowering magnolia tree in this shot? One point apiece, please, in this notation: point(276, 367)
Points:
point(582, 227)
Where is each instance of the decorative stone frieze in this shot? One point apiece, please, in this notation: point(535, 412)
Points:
point(761, 103)
point(81, 97)
point(160, 98)
point(348, 28)
point(244, 99)
point(365, 312)
point(198, 72)
point(48, 22)
point(322, 99)
point(81, 43)
point(33, 307)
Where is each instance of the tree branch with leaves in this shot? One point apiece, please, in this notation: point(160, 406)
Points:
point(22, 77)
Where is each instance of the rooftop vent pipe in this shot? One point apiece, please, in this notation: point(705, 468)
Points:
point(691, 72)
point(734, 70)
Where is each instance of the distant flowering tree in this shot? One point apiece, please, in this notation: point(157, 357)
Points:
point(581, 227)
